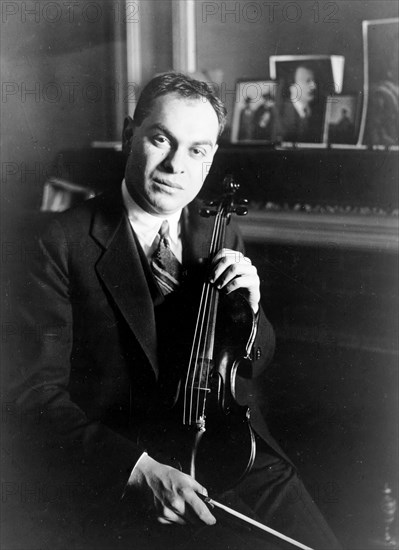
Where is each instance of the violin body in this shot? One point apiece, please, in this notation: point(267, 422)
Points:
point(197, 423)
point(221, 450)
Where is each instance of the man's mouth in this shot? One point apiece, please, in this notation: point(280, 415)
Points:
point(167, 183)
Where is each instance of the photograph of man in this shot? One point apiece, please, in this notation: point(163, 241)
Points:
point(341, 119)
point(255, 115)
point(112, 286)
point(381, 107)
point(266, 119)
point(302, 107)
point(246, 129)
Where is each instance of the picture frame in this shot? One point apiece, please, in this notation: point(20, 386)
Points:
point(254, 115)
point(341, 121)
point(304, 84)
point(380, 113)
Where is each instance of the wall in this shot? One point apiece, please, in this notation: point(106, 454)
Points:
point(64, 76)
point(59, 73)
point(64, 82)
point(249, 32)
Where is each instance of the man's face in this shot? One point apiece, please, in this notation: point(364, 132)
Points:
point(170, 153)
point(305, 84)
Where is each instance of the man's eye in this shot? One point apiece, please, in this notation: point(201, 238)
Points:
point(160, 140)
point(198, 152)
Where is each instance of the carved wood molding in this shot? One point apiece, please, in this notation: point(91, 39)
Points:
point(364, 232)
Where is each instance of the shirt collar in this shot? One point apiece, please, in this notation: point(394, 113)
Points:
point(145, 225)
point(302, 109)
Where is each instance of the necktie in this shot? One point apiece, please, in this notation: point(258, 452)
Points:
point(165, 266)
point(303, 125)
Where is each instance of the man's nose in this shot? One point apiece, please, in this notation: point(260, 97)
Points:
point(174, 161)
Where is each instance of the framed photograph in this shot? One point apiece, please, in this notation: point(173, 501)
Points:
point(255, 115)
point(304, 84)
point(380, 114)
point(341, 120)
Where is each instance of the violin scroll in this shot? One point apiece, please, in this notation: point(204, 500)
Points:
point(226, 205)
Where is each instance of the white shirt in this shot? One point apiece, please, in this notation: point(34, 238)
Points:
point(146, 226)
point(303, 110)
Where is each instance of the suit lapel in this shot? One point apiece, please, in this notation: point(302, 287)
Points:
point(121, 270)
point(120, 267)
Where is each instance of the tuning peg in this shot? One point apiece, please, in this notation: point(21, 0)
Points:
point(241, 210)
point(229, 184)
point(205, 212)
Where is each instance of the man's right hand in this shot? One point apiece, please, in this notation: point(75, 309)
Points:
point(172, 493)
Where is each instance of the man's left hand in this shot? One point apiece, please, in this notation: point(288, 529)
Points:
point(232, 270)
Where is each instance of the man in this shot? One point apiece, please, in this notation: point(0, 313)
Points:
point(112, 331)
point(300, 116)
point(265, 119)
point(245, 130)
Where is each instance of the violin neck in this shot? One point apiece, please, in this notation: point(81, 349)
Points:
point(201, 357)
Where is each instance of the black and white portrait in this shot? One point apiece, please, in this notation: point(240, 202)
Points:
point(341, 119)
point(304, 84)
point(255, 114)
point(380, 118)
point(199, 259)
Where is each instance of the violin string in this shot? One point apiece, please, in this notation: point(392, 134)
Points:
point(205, 355)
point(221, 240)
point(193, 363)
point(200, 354)
point(210, 313)
point(201, 346)
point(202, 349)
point(209, 345)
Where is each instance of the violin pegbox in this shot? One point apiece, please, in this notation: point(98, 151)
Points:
point(226, 205)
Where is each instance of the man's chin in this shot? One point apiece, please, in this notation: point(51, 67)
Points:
point(163, 207)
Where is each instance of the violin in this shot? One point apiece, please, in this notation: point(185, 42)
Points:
point(204, 431)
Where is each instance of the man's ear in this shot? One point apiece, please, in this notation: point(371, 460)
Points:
point(127, 134)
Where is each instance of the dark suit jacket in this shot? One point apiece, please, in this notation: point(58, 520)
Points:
point(85, 377)
point(293, 128)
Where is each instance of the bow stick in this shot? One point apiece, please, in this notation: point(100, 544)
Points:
point(255, 523)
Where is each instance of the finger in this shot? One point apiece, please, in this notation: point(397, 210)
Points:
point(200, 510)
point(198, 488)
point(236, 271)
point(173, 519)
point(227, 253)
point(224, 272)
point(250, 276)
point(227, 257)
point(246, 282)
point(222, 260)
point(171, 512)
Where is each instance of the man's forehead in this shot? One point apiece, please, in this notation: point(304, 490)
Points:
point(178, 100)
point(304, 72)
point(167, 107)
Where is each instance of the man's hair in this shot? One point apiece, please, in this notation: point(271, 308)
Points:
point(184, 86)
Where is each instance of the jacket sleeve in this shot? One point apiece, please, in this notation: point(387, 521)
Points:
point(54, 424)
